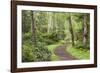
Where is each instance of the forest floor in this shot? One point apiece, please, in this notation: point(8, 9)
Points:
point(61, 52)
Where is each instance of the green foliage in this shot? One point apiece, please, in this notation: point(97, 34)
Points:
point(52, 48)
point(79, 53)
point(51, 30)
point(37, 53)
point(56, 36)
point(27, 55)
point(27, 36)
point(26, 21)
point(41, 52)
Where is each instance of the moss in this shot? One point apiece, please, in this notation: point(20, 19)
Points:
point(52, 48)
point(79, 53)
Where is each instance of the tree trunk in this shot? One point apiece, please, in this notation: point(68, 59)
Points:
point(33, 28)
point(84, 30)
point(49, 21)
point(71, 28)
point(55, 22)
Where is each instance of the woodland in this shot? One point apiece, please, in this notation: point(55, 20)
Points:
point(55, 36)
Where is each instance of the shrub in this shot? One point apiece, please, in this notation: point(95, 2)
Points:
point(27, 55)
point(41, 52)
point(37, 53)
point(27, 36)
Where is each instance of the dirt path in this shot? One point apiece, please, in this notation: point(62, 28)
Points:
point(63, 54)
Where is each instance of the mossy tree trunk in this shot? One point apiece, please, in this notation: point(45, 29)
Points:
point(71, 28)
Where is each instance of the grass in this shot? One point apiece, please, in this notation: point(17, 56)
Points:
point(52, 48)
point(79, 53)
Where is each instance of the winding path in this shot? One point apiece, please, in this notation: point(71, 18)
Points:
point(63, 54)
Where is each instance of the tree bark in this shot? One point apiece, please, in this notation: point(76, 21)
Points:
point(84, 30)
point(49, 21)
point(71, 28)
point(33, 28)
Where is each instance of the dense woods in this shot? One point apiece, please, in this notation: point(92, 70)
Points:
point(43, 31)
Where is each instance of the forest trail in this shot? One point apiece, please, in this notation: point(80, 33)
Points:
point(61, 52)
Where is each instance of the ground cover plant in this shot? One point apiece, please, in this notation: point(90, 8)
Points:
point(54, 36)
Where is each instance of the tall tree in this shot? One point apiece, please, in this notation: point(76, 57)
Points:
point(49, 21)
point(55, 22)
point(84, 30)
point(71, 28)
point(33, 28)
